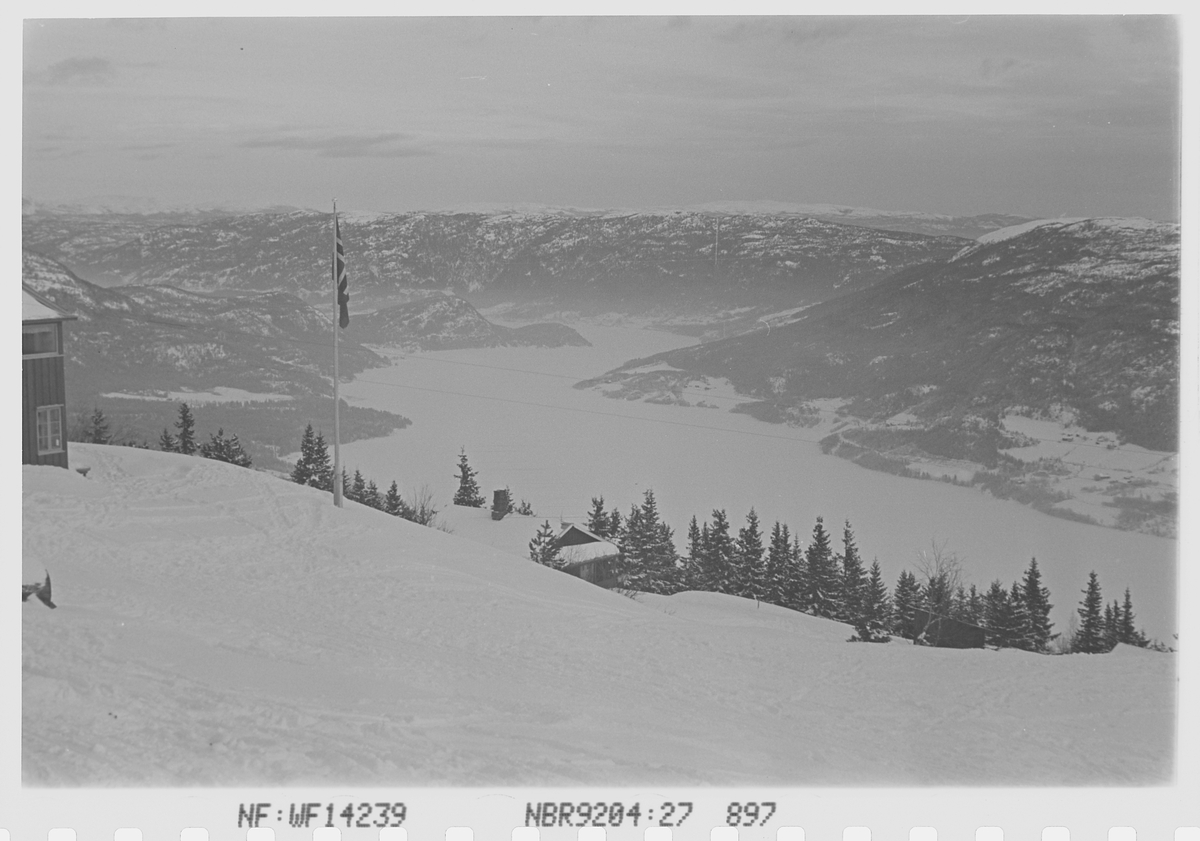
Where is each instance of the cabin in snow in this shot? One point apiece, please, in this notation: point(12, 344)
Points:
point(585, 555)
point(943, 632)
point(43, 381)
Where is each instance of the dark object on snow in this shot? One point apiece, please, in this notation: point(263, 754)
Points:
point(500, 503)
point(943, 632)
point(42, 591)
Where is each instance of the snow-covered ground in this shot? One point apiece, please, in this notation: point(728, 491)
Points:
point(220, 394)
point(217, 625)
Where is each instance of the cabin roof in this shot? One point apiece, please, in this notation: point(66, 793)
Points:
point(513, 533)
point(35, 308)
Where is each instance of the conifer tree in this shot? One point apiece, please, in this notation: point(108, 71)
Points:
point(779, 565)
point(167, 442)
point(1035, 634)
point(871, 621)
point(823, 578)
point(186, 425)
point(1020, 616)
point(320, 467)
point(1127, 632)
point(357, 492)
point(854, 577)
point(614, 523)
point(999, 617)
point(468, 489)
point(1112, 618)
point(392, 501)
point(542, 548)
point(229, 450)
point(719, 575)
point(748, 559)
point(905, 601)
point(97, 430)
point(795, 585)
point(598, 518)
point(1089, 639)
point(974, 606)
point(648, 550)
point(371, 496)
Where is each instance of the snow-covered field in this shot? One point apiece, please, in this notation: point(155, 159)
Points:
point(216, 625)
point(524, 425)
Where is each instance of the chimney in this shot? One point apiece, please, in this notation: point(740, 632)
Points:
point(499, 503)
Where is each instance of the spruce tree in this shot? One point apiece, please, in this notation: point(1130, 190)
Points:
point(871, 619)
point(1112, 618)
point(321, 469)
point(371, 496)
point(357, 491)
point(187, 431)
point(1000, 616)
point(392, 501)
point(795, 584)
point(598, 518)
point(167, 442)
point(823, 578)
point(905, 601)
point(614, 523)
point(468, 489)
point(1020, 617)
point(1036, 631)
point(974, 606)
point(229, 450)
point(719, 573)
point(1127, 632)
point(648, 550)
point(748, 559)
point(302, 472)
point(854, 577)
point(779, 563)
point(1089, 639)
point(97, 430)
point(542, 548)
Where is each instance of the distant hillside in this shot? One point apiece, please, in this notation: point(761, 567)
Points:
point(634, 262)
point(1080, 316)
point(443, 322)
point(148, 342)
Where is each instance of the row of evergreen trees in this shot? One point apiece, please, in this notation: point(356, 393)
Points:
point(97, 429)
point(315, 469)
point(838, 585)
point(217, 447)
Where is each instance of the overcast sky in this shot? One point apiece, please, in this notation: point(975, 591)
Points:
point(1044, 116)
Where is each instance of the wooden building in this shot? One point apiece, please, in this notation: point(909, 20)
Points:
point(43, 382)
point(943, 632)
point(588, 556)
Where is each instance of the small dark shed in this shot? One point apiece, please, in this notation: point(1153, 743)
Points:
point(944, 632)
point(588, 556)
point(43, 381)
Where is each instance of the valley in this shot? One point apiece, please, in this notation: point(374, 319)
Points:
point(524, 425)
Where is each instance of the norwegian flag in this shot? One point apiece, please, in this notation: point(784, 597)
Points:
point(339, 275)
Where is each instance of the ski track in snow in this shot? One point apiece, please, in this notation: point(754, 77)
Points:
point(218, 626)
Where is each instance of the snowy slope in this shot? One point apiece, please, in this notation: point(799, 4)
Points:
point(220, 626)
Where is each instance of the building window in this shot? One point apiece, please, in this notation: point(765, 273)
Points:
point(49, 429)
point(39, 340)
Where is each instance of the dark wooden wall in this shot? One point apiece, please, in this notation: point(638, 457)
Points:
point(43, 384)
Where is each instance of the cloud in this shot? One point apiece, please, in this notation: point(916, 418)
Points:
point(384, 145)
point(70, 71)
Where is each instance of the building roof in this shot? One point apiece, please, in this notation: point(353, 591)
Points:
point(35, 308)
point(513, 533)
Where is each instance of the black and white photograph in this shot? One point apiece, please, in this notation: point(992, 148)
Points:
point(782, 400)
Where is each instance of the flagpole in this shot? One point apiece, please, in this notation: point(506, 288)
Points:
point(337, 429)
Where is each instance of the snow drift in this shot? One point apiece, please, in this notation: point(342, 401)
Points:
point(219, 626)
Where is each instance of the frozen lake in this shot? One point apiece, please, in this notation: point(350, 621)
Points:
point(524, 425)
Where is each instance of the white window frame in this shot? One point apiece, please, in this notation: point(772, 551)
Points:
point(53, 414)
point(52, 329)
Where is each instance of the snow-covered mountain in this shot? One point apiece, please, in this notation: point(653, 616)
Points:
point(217, 626)
point(631, 261)
point(445, 322)
point(1082, 316)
